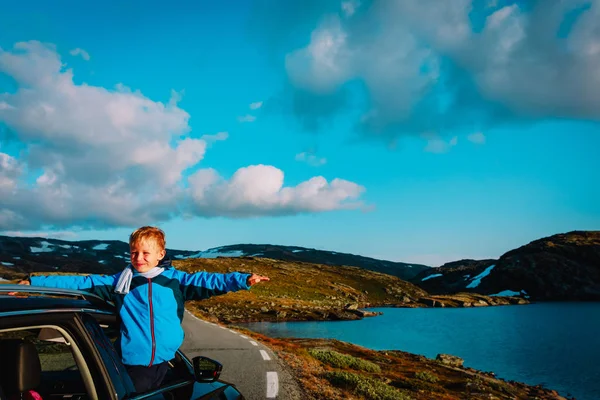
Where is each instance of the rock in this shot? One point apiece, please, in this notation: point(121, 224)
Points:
point(451, 360)
point(428, 301)
point(363, 313)
point(352, 306)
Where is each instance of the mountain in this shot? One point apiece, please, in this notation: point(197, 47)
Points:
point(302, 254)
point(560, 267)
point(20, 255)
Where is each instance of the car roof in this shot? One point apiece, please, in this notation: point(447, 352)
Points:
point(19, 299)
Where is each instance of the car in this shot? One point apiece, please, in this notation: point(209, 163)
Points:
point(59, 344)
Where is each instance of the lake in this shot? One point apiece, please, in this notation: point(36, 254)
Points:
point(554, 344)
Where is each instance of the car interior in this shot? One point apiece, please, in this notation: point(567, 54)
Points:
point(42, 363)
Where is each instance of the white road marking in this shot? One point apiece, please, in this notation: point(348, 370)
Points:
point(272, 377)
point(272, 385)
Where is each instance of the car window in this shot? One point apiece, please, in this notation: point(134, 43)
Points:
point(59, 373)
point(104, 337)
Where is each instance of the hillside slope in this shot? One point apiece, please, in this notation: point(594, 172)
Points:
point(302, 254)
point(24, 255)
point(559, 267)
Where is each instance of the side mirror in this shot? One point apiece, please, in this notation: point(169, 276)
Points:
point(206, 370)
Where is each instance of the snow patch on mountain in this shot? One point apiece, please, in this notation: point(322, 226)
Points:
point(44, 249)
point(214, 253)
point(506, 293)
point(101, 246)
point(477, 280)
point(432, 276)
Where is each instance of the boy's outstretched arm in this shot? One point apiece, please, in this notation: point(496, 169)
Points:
point(202, 285)
point(100, 285)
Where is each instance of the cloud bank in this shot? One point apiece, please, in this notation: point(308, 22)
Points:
point(91, 157)
point(407, 67)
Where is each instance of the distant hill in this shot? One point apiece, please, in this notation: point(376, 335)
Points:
point(298, 290)
point(19, 255)
point(302, 254)
point(559, 267)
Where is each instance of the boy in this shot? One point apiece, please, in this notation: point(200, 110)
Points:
point(149, 295)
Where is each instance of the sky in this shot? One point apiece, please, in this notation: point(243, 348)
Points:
point(421, 131)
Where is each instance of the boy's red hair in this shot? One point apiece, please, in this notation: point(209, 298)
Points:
point(146, 233)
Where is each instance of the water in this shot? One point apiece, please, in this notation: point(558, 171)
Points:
point(554, 344)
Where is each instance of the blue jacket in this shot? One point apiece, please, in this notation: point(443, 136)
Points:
point(152, 312)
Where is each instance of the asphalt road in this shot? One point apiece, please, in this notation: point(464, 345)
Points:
point(251, 366)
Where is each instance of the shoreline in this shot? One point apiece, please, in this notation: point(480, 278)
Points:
point(330, 369)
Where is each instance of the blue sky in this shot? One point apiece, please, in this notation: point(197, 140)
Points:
point(411, 131)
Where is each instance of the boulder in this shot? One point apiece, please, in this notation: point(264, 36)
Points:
point(451, 360)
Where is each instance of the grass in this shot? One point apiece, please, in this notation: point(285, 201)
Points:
point(339, 360)
point(370, 388)
point(426, 376)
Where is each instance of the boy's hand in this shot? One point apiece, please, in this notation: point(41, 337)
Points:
point(254, 279)
point(21, 282)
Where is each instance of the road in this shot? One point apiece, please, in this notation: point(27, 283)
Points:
point(251, 366)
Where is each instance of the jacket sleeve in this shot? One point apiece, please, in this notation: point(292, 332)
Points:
point(202, 285)
point(100, 285)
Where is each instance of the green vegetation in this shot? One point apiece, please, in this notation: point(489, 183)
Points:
point(426, 376)
point(339, 360)
point(371, 388)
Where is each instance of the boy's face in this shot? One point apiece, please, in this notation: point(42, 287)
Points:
point(145, 255)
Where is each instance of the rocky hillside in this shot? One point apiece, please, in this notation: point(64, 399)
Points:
point(560, 267)
point(305, 291)
point(24, 255)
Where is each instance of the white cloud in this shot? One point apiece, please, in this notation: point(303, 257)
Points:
point(256, 105)
point(428, 65)
point(436, 144)
point(349, 7)
point(10, 170)
point(4, 105)
point(95, 157)
point(477, 137)
point(325, 63)
point(80, 52)
point(311, 159)
point(258, 190)
point(220, 136)
point(247, 118)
